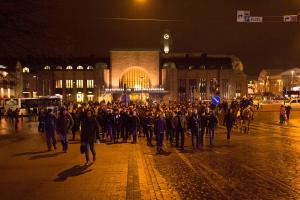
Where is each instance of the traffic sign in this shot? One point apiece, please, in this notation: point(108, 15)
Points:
point(243, 16)
point(216, 100)
point(290, 18)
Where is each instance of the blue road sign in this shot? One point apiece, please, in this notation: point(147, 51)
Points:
point(216, 100)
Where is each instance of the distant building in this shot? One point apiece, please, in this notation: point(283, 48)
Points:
point(142, 74)
point(278, 82)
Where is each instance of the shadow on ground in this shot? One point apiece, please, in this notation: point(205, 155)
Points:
point(29, 153)
point(76, 170)
point(45, 156)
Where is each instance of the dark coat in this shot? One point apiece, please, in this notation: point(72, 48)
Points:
point(212, 121)
point(63, 124)
point(50, 123)
point(160, 126)
point(134, 122)
point(229, 119)
point(89, 129)
point(194, 121)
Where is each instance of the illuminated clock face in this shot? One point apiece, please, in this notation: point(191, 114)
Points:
point(166, 36)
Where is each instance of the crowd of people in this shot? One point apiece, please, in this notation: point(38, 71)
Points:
point(162, 123)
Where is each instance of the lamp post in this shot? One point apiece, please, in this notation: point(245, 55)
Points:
point(141, 85)
point(292, 72)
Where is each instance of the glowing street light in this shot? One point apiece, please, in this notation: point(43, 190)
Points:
point(292, 72)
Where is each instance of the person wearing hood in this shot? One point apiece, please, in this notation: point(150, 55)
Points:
point(89, 129)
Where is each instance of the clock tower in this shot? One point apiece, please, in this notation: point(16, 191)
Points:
point(166, 41)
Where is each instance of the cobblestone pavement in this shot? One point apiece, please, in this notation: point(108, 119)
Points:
point(262, 165)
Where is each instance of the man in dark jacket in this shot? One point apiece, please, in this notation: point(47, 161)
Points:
point(229, 121)
point(212, 122)
point(149, 122)
point(50, 127)
point(135, 123)
point(64, 123)
point(160, 128)
point(89, 129)
point(124, 124)
point(194, 122)
point(180, 126)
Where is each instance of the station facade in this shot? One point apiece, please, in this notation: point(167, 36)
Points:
point(140, 74)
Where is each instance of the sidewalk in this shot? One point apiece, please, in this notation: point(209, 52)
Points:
point(122, 171)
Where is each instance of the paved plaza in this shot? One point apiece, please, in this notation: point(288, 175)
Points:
point(262, 165)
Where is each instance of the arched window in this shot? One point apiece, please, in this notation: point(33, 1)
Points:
point(90, 68)
point(59, 68)
point(25, 70)
point(69, 67)
point(80, 67)
point(47, 68)
point(136, 78)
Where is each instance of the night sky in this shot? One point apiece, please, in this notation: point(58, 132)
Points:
point(80, 28)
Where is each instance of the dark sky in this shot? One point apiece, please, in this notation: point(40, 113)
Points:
point(205, 26)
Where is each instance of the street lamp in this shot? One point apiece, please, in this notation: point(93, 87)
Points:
point(292, 72)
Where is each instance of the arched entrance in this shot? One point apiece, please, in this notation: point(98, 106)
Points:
point(138, 79)
point(135, 78)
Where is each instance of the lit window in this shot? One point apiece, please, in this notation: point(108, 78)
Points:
point(90, 83)
point(47, 68)
point(79, 83)
point(58, 84)
point(59, 67)
point(25, 70)
point(90, 68)
point(69, 83)
point(80, 67)
point(69, 67)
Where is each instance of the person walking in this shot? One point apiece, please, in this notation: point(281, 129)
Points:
point(180, 124)
point(229, 120)
point(76, 117)
point(135, 122)
point(170, 126)
point(288, 112)
point(203, 127)
point(16, 117)
point(212, 122)
point(89, 129)
point(160, 128)
point(50, 127)
point(62, 127)
point(149, 121)
point(282, 115)
point(194, 123)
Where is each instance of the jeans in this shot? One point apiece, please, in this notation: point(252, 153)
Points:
point(195, 132)
point(50, 138)
point(171, 135)
point(149, 134)
point(134, 132)
point(202, 131)
point(180, 133)
point(91, 146)
point(110, 132)
point(229, 127)
point(64, 141)
point(160, 139)
point(211, 135)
